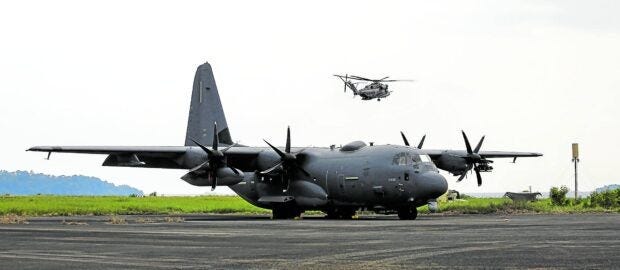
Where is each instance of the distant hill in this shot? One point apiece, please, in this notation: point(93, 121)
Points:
point(607, 187)
point(29, 183)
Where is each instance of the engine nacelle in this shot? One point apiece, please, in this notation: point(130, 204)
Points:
point(225, 177)
point(451, 163)
point(308, 194)
point(485, 167)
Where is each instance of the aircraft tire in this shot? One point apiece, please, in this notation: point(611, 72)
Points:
point(340, 213)
point(408, 213)
point(285, 213)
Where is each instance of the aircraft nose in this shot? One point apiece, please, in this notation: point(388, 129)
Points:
point(433, 185)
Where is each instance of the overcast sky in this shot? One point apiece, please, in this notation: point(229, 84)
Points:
point(531, 75)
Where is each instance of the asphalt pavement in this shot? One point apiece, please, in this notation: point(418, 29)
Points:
point(257, 242)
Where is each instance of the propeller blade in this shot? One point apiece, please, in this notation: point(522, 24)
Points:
point(462, 176)
point(478, 175)
point(302, 170)
point(273, 168)
point(421, 142)
point(479, 145)
point(275, 149)
point(404, 138)
point(216, 140)
point(213, 179)
point(346, 78)
point(204, 148)
point(467, 145)
point(287, 149)
point(230, 146)
point(234, 170)
point(383, 78)
point(203, 165)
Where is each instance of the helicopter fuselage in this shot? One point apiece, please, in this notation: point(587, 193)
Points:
point(374, 90)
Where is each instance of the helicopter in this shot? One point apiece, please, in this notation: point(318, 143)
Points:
point(375, 89)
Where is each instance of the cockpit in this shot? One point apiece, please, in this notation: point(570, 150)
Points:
point(418, 161)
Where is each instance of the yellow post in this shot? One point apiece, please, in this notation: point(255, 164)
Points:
point(575, 160)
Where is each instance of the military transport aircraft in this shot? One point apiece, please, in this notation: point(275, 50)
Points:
point(290, 180)
point(375, 89)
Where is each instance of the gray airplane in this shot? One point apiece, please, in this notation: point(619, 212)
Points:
point(375, 89)
point(290, 180)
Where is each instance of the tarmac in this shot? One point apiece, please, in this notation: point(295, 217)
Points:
point(257, 242)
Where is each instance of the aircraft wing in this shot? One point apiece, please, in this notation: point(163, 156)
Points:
point(165, 157)
point(485, 154)
point(507, 154)
point(127, 156)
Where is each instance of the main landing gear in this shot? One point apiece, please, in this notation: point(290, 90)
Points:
point(340, 213)
point(285, 213)
point(408, 213)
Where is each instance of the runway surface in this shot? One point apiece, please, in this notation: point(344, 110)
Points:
point(211, 241)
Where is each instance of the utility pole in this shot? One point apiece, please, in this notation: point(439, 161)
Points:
point(575, 161)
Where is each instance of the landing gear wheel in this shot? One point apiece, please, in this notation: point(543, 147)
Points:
point(340, 213)
point(408, 213)
point(285, 213)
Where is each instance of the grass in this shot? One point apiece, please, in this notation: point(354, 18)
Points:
point(12, 207)
point(507, 206)
point(43, 205)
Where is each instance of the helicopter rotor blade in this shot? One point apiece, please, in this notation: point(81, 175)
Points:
point(396, 81)
point(360, 78)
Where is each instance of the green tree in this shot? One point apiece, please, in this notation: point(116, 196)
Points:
point(605, 199)
point(558, 195)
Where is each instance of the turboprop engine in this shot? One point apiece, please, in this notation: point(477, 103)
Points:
point(225, 177)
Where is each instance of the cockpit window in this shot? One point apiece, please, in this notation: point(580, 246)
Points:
point(402, 159)
point(425, 158)
point(407, 159)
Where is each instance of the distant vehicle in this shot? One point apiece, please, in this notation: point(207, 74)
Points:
point(523, 196)
point(374, 89)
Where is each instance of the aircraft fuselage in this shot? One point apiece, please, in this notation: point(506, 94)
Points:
point(386, 176)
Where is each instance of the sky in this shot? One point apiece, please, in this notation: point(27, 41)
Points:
point(530, 75)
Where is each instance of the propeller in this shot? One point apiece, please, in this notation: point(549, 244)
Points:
point(288, 163)
point(215, 160)
point(473, 159)
point(407, 142)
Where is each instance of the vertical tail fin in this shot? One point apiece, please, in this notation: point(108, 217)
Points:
point(206, 109)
